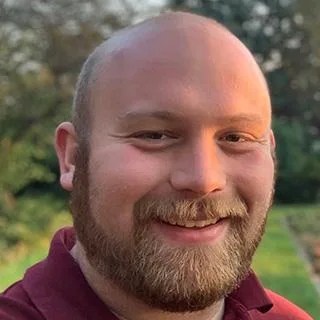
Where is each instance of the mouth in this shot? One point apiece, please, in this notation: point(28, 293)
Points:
point(191, 223)
point(192, 232)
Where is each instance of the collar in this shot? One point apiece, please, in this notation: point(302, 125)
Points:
point(58, 288)
point(252, 295)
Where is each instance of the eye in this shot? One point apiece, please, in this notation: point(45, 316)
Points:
point(234, 137)
point(239, 142)
point(153, 139)
point(151, 135)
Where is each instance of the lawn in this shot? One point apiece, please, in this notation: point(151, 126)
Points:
point(276, 262)
point(14, 271)
point(279, 267)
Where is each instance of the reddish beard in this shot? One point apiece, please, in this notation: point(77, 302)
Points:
point(175, 279)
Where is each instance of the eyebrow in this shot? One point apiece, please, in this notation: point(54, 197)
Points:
point(148, 114)
point(242, 117)
point(175, 116)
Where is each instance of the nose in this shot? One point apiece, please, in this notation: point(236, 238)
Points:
point(199, 170)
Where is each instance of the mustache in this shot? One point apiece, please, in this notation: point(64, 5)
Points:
point(189, 209)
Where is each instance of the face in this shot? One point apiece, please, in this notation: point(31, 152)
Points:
point(172, 189)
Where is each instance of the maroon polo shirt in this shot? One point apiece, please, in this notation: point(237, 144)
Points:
point(55, 289)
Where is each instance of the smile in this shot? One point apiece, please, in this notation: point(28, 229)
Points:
point(192, 232)
point(191, 223)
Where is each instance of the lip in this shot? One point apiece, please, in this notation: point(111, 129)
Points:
point(191, 236)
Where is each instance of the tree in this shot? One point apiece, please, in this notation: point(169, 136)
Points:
point(43, 45)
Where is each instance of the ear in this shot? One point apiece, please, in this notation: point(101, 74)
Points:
point(272, 142)
point(66, 147)
point(272, 145)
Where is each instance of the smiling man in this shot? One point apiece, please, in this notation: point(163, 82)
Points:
point(169, 161)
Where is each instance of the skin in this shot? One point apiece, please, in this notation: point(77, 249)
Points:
point(186, 116)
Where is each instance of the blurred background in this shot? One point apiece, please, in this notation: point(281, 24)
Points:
point(42, 47)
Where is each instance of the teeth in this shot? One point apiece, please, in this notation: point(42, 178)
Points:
point(189, 224)
point(171, 221)
point(192, 223)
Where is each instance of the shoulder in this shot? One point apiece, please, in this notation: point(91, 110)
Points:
point(15, 304)
point(284, 309)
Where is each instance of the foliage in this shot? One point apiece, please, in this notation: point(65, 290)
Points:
point(43, 45)
point(36, 220)
point(31, 217)
point(304, 220)
point(298, 173)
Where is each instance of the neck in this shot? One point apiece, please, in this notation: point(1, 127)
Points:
point(126, 307)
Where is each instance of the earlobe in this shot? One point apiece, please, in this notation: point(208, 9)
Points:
point(66, 147)
point(272, 140)
point(272, 144)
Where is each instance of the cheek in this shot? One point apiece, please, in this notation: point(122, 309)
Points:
point(254, 183)
point(253, 177)
point(121, 175)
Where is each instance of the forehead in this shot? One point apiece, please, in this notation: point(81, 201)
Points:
point(187, 66)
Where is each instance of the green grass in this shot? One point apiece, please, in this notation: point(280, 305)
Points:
point(12, 272)
point(276, 263)
point(279, 267)
point(34, 247)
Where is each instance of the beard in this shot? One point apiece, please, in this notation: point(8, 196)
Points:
point(164, 276)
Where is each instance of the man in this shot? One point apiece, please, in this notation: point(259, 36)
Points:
point(169, 160)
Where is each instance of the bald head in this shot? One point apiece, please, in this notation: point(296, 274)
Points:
point(192, 44)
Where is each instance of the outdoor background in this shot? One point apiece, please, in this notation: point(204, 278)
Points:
point(42, 47)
